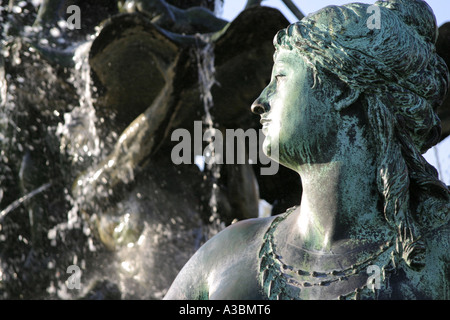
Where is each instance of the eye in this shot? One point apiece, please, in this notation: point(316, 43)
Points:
point(272, 87)
point(279, 77)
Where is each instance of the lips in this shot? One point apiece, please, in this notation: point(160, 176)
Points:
point(265, 123)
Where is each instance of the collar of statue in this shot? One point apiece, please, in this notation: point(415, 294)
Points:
point(280, 281)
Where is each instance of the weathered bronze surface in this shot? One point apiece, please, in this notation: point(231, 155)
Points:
point(350, 109)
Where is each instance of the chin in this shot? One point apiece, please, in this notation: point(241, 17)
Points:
point(268, 148)
point(271, 150)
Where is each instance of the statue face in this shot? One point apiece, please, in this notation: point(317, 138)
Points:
point(297, 119)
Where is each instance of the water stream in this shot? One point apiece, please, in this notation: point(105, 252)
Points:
point(206, 76)
point(47, 110)
point(78, 133)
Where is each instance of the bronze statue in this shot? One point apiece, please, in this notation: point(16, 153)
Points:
point(351, 108)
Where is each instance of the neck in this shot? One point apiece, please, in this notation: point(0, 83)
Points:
point(340, 201)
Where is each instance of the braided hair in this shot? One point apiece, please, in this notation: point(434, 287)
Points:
point(402, 82)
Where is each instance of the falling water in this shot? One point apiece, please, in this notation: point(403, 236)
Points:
point(206, 76)
point(69, 237)
point(80, 141)
point(78, 132)
point(206, 71)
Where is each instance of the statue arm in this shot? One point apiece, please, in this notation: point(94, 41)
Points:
point(231, 252)
point(138, 141)
point(190, 283)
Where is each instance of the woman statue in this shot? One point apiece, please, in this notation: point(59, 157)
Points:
point(351, 108)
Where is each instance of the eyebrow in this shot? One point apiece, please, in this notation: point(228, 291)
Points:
point(281, 61)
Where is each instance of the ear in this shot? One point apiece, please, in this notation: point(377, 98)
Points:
point(346, 99)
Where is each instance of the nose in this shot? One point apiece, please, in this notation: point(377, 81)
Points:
point(260, 106)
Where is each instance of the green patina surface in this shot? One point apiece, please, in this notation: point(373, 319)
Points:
point(383, 111)
point(351, 109)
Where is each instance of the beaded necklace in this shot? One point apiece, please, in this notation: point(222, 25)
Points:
point(278, 278)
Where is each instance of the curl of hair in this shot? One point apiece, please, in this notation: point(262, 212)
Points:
point(403, 82)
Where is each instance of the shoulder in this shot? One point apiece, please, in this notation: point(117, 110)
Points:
point(245, 231)
point(229, 245)
point(239, 237)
